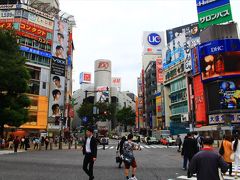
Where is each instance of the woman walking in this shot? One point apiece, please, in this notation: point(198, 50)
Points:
point(236, 150)
point(227, 146)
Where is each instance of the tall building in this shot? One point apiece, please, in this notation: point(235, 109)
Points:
point(45, 39)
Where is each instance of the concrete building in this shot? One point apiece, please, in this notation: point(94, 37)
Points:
point(36, 24)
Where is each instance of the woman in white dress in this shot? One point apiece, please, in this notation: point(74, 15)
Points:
point(236, 150)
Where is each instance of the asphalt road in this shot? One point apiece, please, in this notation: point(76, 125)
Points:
point(154, 163)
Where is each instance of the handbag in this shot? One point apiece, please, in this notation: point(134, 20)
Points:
point(221, 150)
point(118, 159)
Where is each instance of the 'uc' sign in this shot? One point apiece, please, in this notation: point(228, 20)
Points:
point(154, 39)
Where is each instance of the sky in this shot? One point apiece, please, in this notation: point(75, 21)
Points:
point(113, 29)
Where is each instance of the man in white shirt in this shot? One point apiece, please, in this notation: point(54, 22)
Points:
point(90, 152)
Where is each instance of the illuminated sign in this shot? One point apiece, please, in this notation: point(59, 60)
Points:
point(223, 118)
point(85, 77)
point(154, 39)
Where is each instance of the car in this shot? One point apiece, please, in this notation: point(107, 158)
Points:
point(171, 141)
point(152, 140)
point(163, 141)
point(115, 137)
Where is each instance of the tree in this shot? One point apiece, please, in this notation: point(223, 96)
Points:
point(86, 111)
point(14, 78)
point(126, 116)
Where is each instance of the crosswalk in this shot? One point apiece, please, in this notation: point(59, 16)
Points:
point(114, 147)
point(226, 177)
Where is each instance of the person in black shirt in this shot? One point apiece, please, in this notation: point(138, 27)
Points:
point(206, 163)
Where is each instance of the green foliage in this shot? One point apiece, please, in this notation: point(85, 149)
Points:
point(126, 116)
point(14, 78)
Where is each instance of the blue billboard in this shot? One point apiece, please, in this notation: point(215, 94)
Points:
point(205, 5)
point(35, 51)
point(218, 46)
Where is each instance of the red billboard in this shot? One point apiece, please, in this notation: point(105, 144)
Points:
point(159, 70)
point(199, 100)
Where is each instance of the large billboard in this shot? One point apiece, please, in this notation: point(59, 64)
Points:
point(217, 15)
point(205, 5)
point(191, 31)
point(103, 94)
point(85, 77)
point(224, 118)
point(60, 39)
point(174, 52)
point(57, 87)
point(226, 95)
point(153, 42)
point(199, 100)
point(195, 61)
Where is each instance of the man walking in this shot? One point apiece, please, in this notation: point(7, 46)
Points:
point(90, 152)
point(16, 143)
point(189, 149)
point(128, 157)
point(207, 162)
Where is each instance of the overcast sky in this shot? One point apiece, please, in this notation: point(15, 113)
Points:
point(112, 29)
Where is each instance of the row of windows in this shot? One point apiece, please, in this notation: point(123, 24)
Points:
point(178, 96)
point(179, 108)
point(178, 85)
point(35, 44)
point(37, 59)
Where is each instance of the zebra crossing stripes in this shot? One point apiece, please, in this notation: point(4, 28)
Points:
point(194, 178)
point(113, 147)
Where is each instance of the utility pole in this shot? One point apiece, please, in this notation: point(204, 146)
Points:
point(61, 129)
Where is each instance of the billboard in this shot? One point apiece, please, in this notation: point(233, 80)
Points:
point(85, 78)
point(103, 65)
point(195, 61)
point(205, 5)
point(191, 31)
point(117, 83)
point(153, 42)
point(174, 52)
point(60, 39)
point(226, 95)
point(217, 15)
point(199, 100)
point(57, 87)
point(219, 65)
point(102, 94)
point(159, 70)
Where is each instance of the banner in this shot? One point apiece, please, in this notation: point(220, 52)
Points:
point(159, 70)
point(223, 118)
point(57, 87)
point(116, 82)
point(60, 39)
point(195, 61)
point(217, 15)
point(102, 94)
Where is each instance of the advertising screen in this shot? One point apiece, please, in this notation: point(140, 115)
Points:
point(195, 61)
point(57, 87)
point(85, 77)
point(217, 15)
point(220, 65)
point(205, 5)
point(226, 95)
point(159, 70)
point(102, 94)
point(60, 39)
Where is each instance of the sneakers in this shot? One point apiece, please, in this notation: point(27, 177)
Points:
point(133, 178)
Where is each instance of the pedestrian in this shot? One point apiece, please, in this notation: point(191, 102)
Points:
point(1, 142)
point(42, 141)
point(120, 149)
point(26, 143)
point(104, 142)
point(16, 143)
point(22, 143)
point(179, 143)
point(35, 142)
point(207, 162)
point(128, 157)
point(90, 152)
point(46, 143)
point(189, 149)
point(199, 140)
point(227, 146)
point(236, 150)
point(56, 141)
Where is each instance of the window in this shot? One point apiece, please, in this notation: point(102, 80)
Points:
point(44, 85)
